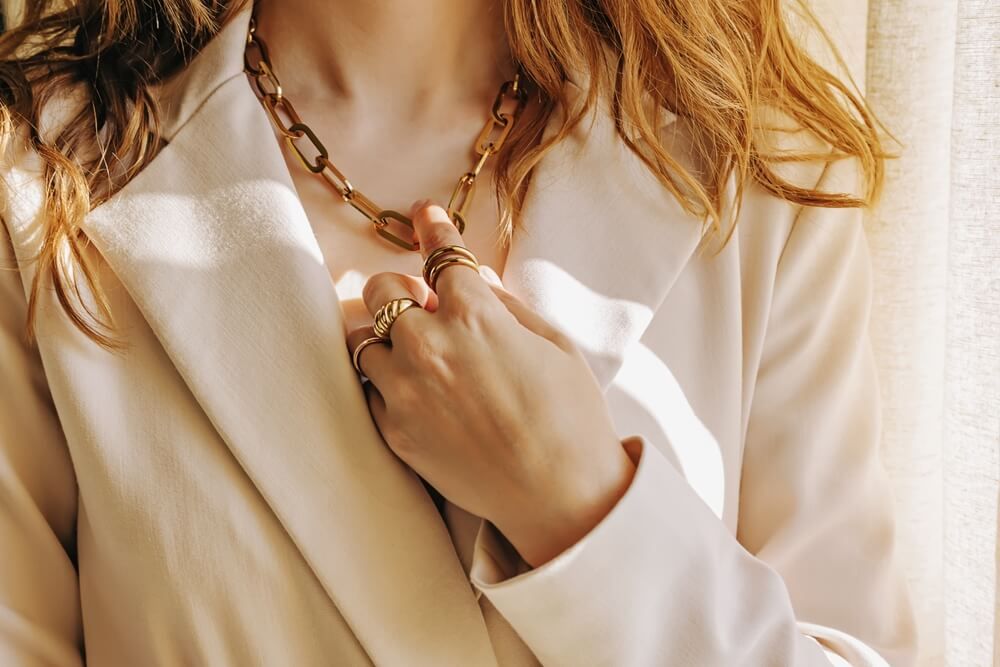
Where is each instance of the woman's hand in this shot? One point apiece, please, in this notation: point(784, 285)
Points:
point(491, 405)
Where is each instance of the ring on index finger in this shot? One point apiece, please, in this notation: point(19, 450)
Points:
point(445, 256)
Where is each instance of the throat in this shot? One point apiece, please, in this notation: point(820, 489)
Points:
point(402, 114)
point(412, 57)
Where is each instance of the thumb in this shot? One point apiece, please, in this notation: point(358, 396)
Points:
point(489, 275)
point(527, 317)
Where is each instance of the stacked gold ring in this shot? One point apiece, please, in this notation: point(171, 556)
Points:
point(371, 340)
point(387, 314)
point(445, 256)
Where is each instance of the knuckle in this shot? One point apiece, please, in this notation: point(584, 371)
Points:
point(431, 356)
point(423, 346)
point(371, 287)
point(379, 283)
point(406, 335)
point(475, 314)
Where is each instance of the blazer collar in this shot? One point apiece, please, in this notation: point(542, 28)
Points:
point(215, 249)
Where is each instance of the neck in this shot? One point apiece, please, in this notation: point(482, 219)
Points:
point(415, 56)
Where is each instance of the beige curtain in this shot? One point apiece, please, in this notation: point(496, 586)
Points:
point(932, 71)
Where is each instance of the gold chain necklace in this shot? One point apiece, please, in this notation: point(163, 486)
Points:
point(509, 103)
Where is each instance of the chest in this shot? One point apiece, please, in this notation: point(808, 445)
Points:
point(393, 175)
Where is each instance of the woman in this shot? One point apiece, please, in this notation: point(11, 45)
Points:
point(653, 441)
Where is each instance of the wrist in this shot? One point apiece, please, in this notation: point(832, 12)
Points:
point(569, 508)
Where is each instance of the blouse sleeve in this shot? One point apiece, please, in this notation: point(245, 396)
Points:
point(810, 578)
point(39, 594)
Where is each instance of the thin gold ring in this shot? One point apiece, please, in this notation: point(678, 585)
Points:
point(356, 357)
point(387, 314)
point(440, 253)
point(444, 264)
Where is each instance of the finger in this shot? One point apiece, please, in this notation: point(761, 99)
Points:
point(521, 311)
point(382, 288)
point(532, 321)
point(376, 405)
point(387, 282)
point(434, 229)
point(489, 275)
point(375, 360)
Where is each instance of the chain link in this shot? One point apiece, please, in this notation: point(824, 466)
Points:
point(509, 102)
point(460, 199)
point(275, 106)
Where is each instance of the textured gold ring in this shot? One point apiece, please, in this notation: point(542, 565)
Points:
point(387, 314)
point(441, 253)
point(356, 357)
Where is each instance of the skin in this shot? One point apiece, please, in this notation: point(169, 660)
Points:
point(398, 90)
point(399, 113)
point(492, 405)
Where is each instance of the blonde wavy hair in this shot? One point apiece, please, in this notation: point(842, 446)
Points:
point(718, 63)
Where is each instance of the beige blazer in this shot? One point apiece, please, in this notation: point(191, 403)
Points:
point(218, 494)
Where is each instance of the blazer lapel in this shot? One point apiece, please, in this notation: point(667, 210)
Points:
point(602, 241)
point(215, 249)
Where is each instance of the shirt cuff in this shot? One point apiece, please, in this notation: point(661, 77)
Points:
point(496, 561)
point(658, 576)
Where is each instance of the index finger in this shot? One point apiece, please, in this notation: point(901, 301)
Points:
point(434, 229)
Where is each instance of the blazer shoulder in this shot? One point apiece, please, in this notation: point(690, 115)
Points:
point(802, 159)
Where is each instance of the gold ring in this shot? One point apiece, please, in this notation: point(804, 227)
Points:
point(444, 264)
point(446, 250)
point(356, 357)
point(446, 256)
point(387, 314)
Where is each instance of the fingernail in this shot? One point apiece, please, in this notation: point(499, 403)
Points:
point(490, 275)
point(415, 206)
point(419, 204)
